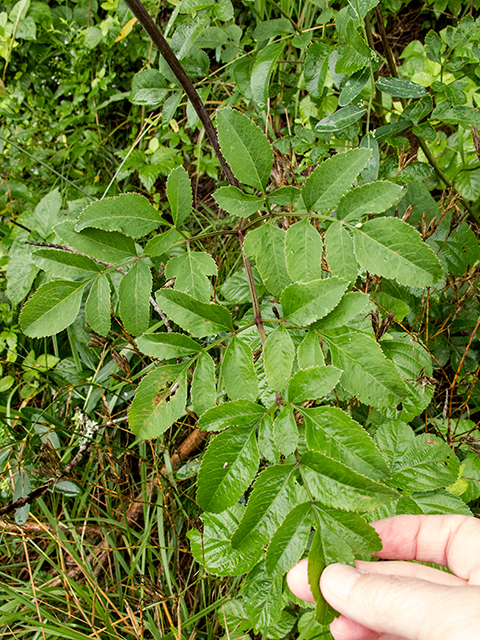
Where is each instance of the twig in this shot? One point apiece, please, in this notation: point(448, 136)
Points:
point(16, 223)
point(62, 247)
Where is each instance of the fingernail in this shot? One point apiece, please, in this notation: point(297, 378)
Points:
point(337, 580)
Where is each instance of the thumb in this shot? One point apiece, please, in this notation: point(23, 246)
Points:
point(402, 606)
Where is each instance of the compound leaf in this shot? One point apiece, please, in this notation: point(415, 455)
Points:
point(179, 194)
point(303, 303)
point(312, 383)
point(289, 541)
point(203, 390)
point(278, 356)
point(303, 251)
point(134, 298)
point(238, 372)
point(97, 306)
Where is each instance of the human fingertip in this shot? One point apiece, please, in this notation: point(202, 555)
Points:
point(297, 580)
point(336, 582)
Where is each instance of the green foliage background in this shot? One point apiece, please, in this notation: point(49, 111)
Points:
point(203, 381)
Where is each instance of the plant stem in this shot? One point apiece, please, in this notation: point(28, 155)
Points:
point(171, 59)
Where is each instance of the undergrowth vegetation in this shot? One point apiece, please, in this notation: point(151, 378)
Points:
point(239, 304)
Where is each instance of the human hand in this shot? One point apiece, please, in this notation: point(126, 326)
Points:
point(402, 600)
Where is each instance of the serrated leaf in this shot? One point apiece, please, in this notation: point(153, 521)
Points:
point(349, 307)
point(149, 86)
point(198, 318)
point(263, 67)
point(238, 372)
point(266, 443)
point(303, 251)
point(134, 298)
point(284, 196)
point(63, 264)
point(325, 186)
point(289, 541)
point(366, 372)
point(273, 496)
point(285, 431)
point(341, 119)
point(272, 28)
point(303, 304)
point(236, 413)
point(262, 598)
point(129, 213)
point(267, 244)
point(437, 502)
point(354, 86)
point(109, 246)
point(97, 306)
point(336, 485)
point(315, 70)
point(374, 197)
point(312, 383)
point(179, 194)
point(278, 356)
point(400, 87)
point(159, 401)
point(246, 149)
point(392, 248)
point(190, 271)
point(237, 202)
point(434, 47)
point(213, 549)
point(161, 244)
point(203, 390)
point(165, 346)
point(228, 468)
point(309, 352)
point(52, 308)
point(340, 253)
point(316, 564)
point(332, 432)
point(351, 528)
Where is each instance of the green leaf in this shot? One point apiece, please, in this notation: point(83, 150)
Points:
point(375, 197)
point(63, 264)
point(334, 484)
point(466, 116)
point(421, 463)
point(149, 88)
point(284, 196)
point(190, 271)
point(303, 251)
point(213, 549)
point(161, 244)
point(341, 119)
point(351, 528)
point(325, 186)
point(165, 346)
point(246, 149)
point(278, 356)
point(309, 353)
point(266, 443)
point(312, 383)
point(340, 252)
point(366, 372)
point(263, 66)
point(237, 202)
point(371, 170)
point(267, 244)
point(236, 413)
point(272, 28)
point(285, 431)
point(238, 372)
point(392, 248)
point(437, 502)
point(198, 318)
point(273, 496)
point(262, 598)
point(129, 213)
point(354, 86)
point(228, 468)
point(203, 390)
point(316, 564)
point(159, 401)
point(315, 70)
point(97, 306)
point(434, 47)
point(332, 432)
point(235, 288)
point(349, 307)
point(400, 88)
point(302, 304)
point(134, 298)
point(179, 194)
point(109, 246)
point(52, 308)
point(289, 541)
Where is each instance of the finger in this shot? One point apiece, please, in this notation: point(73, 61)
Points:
point(344, 629)
point(412, 570)
point(407, 607)
point(450, 540)
point(297, 580)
